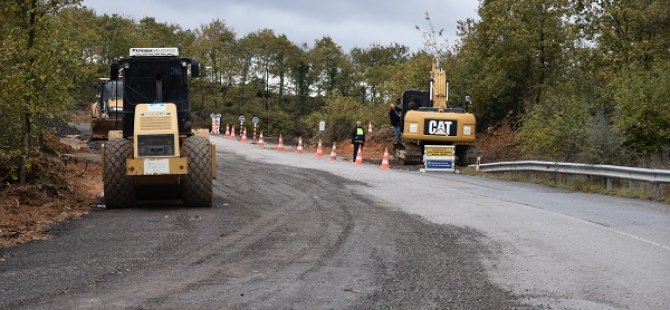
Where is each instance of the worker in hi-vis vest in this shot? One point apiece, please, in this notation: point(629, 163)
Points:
point(358, 138)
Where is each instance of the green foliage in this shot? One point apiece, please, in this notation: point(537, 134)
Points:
point(643, 98)
point(327, 63)
point(275, 122)
point(633, 33)
point(341, 114)
point(555, 129)
point(511, 56)
point(603, 143)
point(378, 65)
point(38, 62)
point(586, 80)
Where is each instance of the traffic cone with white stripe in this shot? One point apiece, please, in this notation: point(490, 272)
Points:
point(319, 150)
point(260, 140)
point(280, 144)
point(299, 149)
point(369, 127)
point(333, 154)
point(232, 133)
point(227, 131)
point(244, 136)
point(359, 156)
point(385, 160)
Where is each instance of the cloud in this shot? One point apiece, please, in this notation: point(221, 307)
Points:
point(350, 23)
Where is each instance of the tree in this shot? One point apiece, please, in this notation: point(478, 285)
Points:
point(115, 36)
point(628, 32)
point(375, 65)
point(285, 51)
point(35, 83)
point(513, 54)
point(262, 56)
point(300, 74)
point(326, 62)
point(631, 66)
point(214, 45)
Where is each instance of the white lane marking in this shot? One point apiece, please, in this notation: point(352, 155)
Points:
point(583, 221)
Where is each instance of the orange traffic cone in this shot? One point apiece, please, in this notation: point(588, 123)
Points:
point(244, 136)
point(260, 140)
point(299, 149)
point(232, 132)
point(319, 150)
point(333, 154)
point(369, 126)
point(359, 156)
point(280, 144)
point(385, 160)
point(227, 131)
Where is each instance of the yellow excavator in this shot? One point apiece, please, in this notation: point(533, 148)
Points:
point(427, 119)
point(107, 111)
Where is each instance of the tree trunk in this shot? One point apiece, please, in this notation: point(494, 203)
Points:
point(543, 62)
point(267, 85)
point(281, 88)
point(32, 19)
point(26, 149)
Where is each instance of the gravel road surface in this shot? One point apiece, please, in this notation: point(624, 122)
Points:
point(291, 231)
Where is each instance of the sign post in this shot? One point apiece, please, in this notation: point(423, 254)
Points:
point(255, 120)
point(216, 123)
point(241, 118)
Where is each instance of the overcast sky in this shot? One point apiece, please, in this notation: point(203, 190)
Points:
point(351, 23)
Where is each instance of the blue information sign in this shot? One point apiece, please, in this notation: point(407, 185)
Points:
point(439, 164)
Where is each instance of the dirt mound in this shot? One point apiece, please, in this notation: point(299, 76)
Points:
point(499, 144)
point(60, 188)
point(375, 142)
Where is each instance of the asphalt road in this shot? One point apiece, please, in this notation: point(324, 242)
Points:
point(292, 231)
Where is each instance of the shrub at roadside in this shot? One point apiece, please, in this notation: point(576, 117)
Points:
point(341, 114)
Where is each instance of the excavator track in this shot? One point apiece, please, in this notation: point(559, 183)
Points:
point(409, 153)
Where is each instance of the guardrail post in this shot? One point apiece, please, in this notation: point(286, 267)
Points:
point(609, 184)
point(656, 188)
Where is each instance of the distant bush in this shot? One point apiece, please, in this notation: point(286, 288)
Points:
point(643, 101)
point(275, 122)
point(603, 143)
point(555, 129)
point(341, 114)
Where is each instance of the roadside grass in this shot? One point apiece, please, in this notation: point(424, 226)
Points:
point(585, 184)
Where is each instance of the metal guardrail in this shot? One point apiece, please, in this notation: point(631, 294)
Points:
point(654, 176)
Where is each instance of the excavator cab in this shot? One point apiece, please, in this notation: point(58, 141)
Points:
point(107, 111)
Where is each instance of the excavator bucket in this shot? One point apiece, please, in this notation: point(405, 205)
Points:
point(101, 126)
